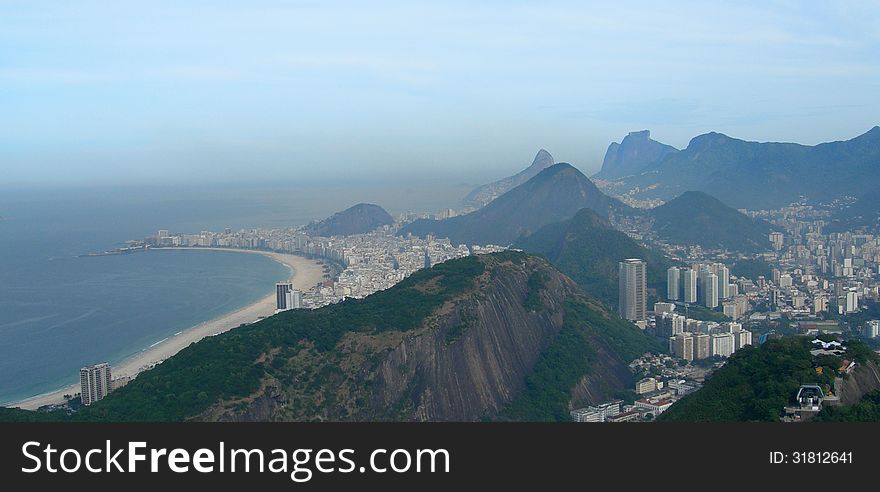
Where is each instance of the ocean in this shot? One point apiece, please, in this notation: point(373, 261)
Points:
point(59, 312)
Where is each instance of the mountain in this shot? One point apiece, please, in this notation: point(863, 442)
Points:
point(695, 218)
point(484, 194)
point(757, 382)
point(359, 219)
point(555, 194)
point(588, 249)
point(765, 175)
point(504, 336)
point(636, 153)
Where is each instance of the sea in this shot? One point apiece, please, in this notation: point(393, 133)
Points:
point(60, 311)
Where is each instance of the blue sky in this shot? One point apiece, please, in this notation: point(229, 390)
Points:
point(115, 92)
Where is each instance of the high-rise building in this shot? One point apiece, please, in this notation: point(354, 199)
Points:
point(682, 345)
point(872, 328)
point(741, 339)
point(820, 303)
point(852, 301)
point(723, 344)
point(777, 240)
point(94, 382)
point(689, 281)
point(632, 303)
point(296, 299)
point(673, 283)
point(723, 280)
point(709, 283)
point(730, 310)
point(283, 296)
point(669, 324)
point(702, 346)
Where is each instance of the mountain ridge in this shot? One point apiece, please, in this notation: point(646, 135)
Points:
point(553, 195)
point(484, 194)
point(697, 218)
point(760, 175)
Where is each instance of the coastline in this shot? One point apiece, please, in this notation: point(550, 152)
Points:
point(305, 274)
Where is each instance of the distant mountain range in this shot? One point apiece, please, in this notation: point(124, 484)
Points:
point(588, 248)
point(482, 195)
point(746, 174)
point(636, 153)
point(553, 195)
point(504, 336)
point(358, 219)
point(695, 218)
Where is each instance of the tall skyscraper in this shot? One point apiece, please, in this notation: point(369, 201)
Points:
point(689, 281)
point(673, 283)
point(632, 303)
point(283, 296)
point(709, 284)
point(723, 280)
point(94, 382)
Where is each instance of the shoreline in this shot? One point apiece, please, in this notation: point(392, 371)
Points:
point(305, 274)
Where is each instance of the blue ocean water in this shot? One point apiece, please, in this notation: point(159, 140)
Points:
point(59, 312)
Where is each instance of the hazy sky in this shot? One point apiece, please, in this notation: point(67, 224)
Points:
point(118, 91)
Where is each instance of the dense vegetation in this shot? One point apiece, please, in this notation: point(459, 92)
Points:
point(225, 366)
point(555, 194)
point(695, 218)
point(755, 384)
point(358, 219)
point(570, 357)
point(587, 249)
point(752, 268)
point(867, 410)
point(702, 313)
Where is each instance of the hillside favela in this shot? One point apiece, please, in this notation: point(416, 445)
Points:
point(302, 215)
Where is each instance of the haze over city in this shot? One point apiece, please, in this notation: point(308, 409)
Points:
point(152, 92)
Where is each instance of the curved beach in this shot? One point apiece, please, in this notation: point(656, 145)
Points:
point(305, 274)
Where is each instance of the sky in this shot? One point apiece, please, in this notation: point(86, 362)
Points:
point(109, 92)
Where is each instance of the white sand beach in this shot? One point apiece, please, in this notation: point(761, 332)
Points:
point(305, 275)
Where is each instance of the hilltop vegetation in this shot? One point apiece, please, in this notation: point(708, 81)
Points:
point(358, 219)
point(588, 249)
point(759, 381)
point(695, 218)
point(499, 336)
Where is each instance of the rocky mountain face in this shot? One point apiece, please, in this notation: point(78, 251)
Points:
point(502, 336)
point(760, 175)
point(554, 195)
point(636, 153)
point(484, 194)
point(358, 219)
point(696, 218)
point(468, 360)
